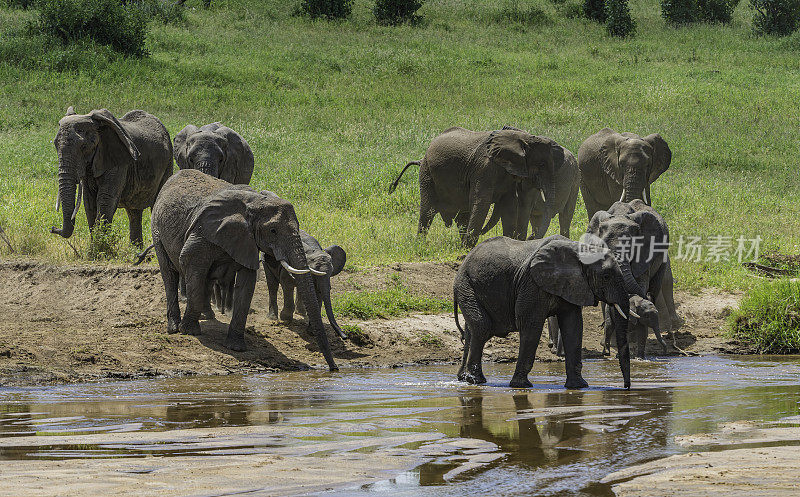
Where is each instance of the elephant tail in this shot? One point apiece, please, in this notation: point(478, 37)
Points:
point(396, 181)
point(492, 220)
point(455, 315)
point(141, 257)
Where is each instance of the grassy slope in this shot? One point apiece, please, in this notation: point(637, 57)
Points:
point(333, 110)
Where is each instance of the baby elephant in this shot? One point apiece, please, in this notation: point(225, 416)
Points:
point(643, 315)
point(322, 263)
point(506, 285)
point(216, 150)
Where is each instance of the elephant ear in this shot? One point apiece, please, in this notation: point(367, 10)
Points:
point(338, 258)
point(652, 231)
point(115, 142)
point(104, 118)
point(179, 148)
point(507, 148)
point(609, 151)
point(222, 220)
point(556, 268)
point(239, 161)
point(662, 155)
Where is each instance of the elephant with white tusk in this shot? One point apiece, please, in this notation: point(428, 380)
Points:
point(322, 265)
point(643, 315)
point(204, 229)
point(114, 163)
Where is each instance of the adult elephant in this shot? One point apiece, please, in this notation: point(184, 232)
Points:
point(322, 263)
point(506, 285)
point(568, 180)
point(620, 167)
point(464, 172)
point(114, 163)
point(216, 150)
point(205, 228)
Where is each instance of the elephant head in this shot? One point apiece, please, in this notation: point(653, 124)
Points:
point(563, 268)
point(643, 312)
point(324, 264)
point(634, 162)
point(87, 144)
point(215, 150)
point(243, 223)
point(531, 160)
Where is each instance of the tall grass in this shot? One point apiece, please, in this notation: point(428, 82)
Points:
point(768, 319)
point(332, 111)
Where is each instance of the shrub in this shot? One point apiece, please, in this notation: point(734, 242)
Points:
point(775, 17)
point(394, 12)
point(677, 12)
point(768, 318)
point(716, 10)
point(618, 19)
point(330, 9)
point(107, 22)
point(512, 13)
point(595, 10)
point(571, 10)
point(23, 4)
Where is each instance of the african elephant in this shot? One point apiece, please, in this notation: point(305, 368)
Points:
point(507, 285)
point(215, 150)
point(642, 315)
point(205, 228)
point(620, 166)
point(118, 162)
point(464, 172)
point(322, 263)
point(568, 181)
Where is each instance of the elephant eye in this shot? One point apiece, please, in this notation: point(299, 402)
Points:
point(272, 230)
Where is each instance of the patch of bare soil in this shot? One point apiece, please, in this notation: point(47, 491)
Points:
point(734, 468)
point(77, 323)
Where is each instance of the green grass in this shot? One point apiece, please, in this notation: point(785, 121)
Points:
point(332, 111)
point(397, 300)
point(768, 319)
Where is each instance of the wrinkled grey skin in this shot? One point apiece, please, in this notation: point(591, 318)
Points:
point(204, 229)
point(215, 150)
point(465, 172)
point(329, 261)
point(120, 163)
point(620, 167)
point(507, 285)
point(566, 196)
point(643, 315)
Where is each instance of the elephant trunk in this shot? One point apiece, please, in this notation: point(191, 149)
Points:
point(308, 294)
point(631, 285)
point(324, 284)
point(208, 167)
point(66, 195)
point(634, 184)
point(623, 351)
point(548, 193)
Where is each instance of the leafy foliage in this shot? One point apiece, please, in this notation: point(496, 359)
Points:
point(775, 17)
point(595, 10)
point(678, 12)
point(394, 12)
point(618, 19)
point(512, 13)
point(330, 9)
point(717, 10)
point(768, 318)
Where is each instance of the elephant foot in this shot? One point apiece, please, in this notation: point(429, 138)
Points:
point(520, 382)
point(473, 378)
point(272, 313)
point(190, 327)
point(576, 383)
point(235, 342)
point(208, 314)
point(676, 322)
point(172, 326)
point(606, 350)
point(287, 316)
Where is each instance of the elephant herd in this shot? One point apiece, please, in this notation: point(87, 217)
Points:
point(211, 231)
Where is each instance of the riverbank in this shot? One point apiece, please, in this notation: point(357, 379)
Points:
point(90, 322)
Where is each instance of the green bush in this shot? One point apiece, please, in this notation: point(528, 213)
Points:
point(595, 10)
point(330, 9)
point(678, 12)
point(716, 10)
point(23, 4)
point(618, 19)
point(513, 13)
point(775, 17)
point(107, 22)
point(768, 319)
point(394, 12)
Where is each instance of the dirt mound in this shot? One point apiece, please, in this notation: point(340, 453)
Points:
point(86, 322)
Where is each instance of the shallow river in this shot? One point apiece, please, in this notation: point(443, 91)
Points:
point(465, 439)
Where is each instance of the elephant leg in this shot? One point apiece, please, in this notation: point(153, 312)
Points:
point(182, 288)
point(427, 201)
point(640, 335)
point(273, 282)
point(479, 324)
point(667, 284)
point(242, 298)
point(608, 329)
point(462, 221)
point(592, 205)
point(196, 276)
point(462, 370)
point(287, 284)
point(571, 321)
point(530, 332)
point(555, 341)
point(108, 194)
point(565, 218)
point(90, 206)
point(135, 227)
point(170, 277)
point(477, 216)
point(537, 218)
point(208, 313)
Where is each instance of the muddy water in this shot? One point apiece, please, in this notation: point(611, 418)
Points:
point(446, 438)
